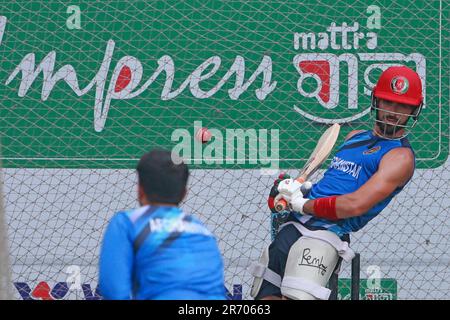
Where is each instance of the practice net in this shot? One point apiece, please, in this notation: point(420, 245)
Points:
point(88, 89)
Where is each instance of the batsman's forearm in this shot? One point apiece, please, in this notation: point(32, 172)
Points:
point(345, 207)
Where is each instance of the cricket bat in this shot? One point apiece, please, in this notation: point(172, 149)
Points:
point(317, 157)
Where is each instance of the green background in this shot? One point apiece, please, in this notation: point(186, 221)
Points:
point(386, 291)
point(59, 132)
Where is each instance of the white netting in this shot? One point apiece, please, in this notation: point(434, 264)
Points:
point(68, 169)
point(53, 227)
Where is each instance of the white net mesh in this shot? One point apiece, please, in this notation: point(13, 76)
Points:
point(68, 168)
point(52, 230)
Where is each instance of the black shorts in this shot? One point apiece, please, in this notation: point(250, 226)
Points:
point(278, 253)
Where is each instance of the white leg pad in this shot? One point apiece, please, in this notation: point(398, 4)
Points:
point(305, 285)
point(260, 271)
point(342, 247)
point(309, 266)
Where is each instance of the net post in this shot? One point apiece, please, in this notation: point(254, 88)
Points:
point(356, 266)
point(333, 283)
point(5, 275)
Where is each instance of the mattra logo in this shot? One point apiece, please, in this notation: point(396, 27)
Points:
point(61, 291)
point(327, 69)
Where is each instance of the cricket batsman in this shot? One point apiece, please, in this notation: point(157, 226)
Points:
point(368, 170)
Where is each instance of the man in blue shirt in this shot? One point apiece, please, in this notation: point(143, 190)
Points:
point(157, 251)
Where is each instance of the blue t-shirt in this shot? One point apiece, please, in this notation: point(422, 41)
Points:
point(177, 259)
point(354, 164)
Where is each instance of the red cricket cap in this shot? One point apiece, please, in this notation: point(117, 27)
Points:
point(399, 84)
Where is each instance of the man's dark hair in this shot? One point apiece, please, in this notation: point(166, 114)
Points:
point(162, 179)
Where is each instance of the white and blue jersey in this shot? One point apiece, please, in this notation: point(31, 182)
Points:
point(354, 164)
point(159, 253)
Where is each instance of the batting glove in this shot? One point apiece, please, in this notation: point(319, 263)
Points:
point(274, 191)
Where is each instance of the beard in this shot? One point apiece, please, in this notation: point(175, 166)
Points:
point(390, 129)
point(387, 129)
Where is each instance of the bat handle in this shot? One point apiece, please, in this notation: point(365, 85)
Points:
point(282, 204)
